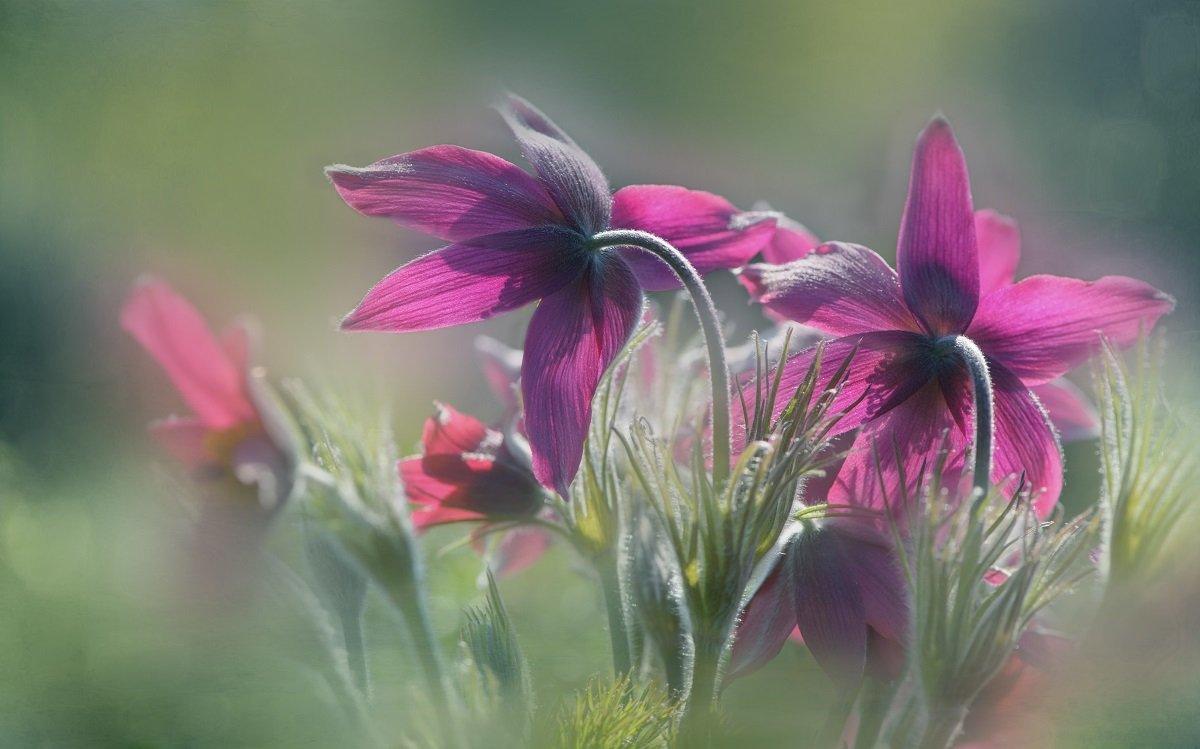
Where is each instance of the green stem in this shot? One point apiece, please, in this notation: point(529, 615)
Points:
point(706, 311)
point(984, 409)
point(944, 726)
point(699, 712)
point(614, 605)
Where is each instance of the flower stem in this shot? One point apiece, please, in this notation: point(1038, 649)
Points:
point(699, 718)
point(984, 410)
point(706, 311)
point(614, 604)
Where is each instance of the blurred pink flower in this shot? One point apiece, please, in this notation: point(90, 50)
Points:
point(906, 387)
point(518, 239)
point(228, 434)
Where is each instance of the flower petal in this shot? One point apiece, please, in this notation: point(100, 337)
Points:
point(571, 176)
point(999, 241)
point(828, 604)
point(876, 571)
point(936, 255)
point(172, 331)
point(1045, 326)
point(702, 226)
point(501, 366)
point(451, 432)
point(185, 439)
point(450, 192)
point(897, 450)
point(471, 281)
point(573, 337)
point(1070, 411)
point(764, 625)
point(515, 550)
point(1026, 445)
point(792, 241)
point(839, 289)
point(886, 367)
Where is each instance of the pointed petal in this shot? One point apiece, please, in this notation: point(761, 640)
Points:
point(828, 603)
point(471, 281)
point(763, 627)
point(573, 337)
point(450, 192)
point(839, 289)
point(886, 367)
point(1070, 411)
point(172, 331)
point(575, 182)
point(792, 241)
point(514, 551)
point(1026, 444)
point(702, 226)
point(937, 256)
point(185, 439)
point(999, 242)
point(876, 571)
point(1045, 326)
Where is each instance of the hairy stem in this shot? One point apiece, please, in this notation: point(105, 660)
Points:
point(614, 605)
point(706, 311)
point(699, 712)
point(984, 409)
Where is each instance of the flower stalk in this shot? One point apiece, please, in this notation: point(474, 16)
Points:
point(981, 383)
point(710, 325)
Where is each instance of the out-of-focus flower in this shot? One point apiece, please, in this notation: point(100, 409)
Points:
point(518, 239)
point(468, 472)
point(233, 430)
point(907, 387)
point(501, 365)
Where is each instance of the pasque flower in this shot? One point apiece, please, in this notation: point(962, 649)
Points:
point(908, 386)
point(518, 239)
point(232, 431)
point(468, 471)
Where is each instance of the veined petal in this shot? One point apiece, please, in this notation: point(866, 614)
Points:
point(896, 451)
point(999, 241)
point(937, 255)
point(172, 331)
point(886, 367)
point(828, 604)
point(839, 289)
point(1070, 411)
point(572, 178)
point(450, 192)
point(471, 280)
point(573, 337)
point(1026, 445)
point(1044, 326)
point(702, 226)
point(791, 241)
point(876, 570)
point(764, 625)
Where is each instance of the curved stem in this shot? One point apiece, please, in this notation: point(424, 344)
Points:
point(614, 606)
point(984, 409)
point(707, 313)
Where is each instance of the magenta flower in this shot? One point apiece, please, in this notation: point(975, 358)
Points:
point(229, 434)
point(467, 471)
point(838, 586)
point(518, 239)
point(906, 387)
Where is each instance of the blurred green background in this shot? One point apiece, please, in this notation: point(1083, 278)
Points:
point(187, 139)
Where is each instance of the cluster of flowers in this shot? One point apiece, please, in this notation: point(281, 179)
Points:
point(786, 503)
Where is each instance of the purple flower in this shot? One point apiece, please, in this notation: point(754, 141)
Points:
point(517, 239)
point(906, 389)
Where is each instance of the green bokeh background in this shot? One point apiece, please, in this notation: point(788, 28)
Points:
point(187, 139)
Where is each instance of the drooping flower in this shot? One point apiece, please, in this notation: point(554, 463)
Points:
point(518, 239)
point(906, 387)
point(837, 587)
point(468, 471)
point(233, 430)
